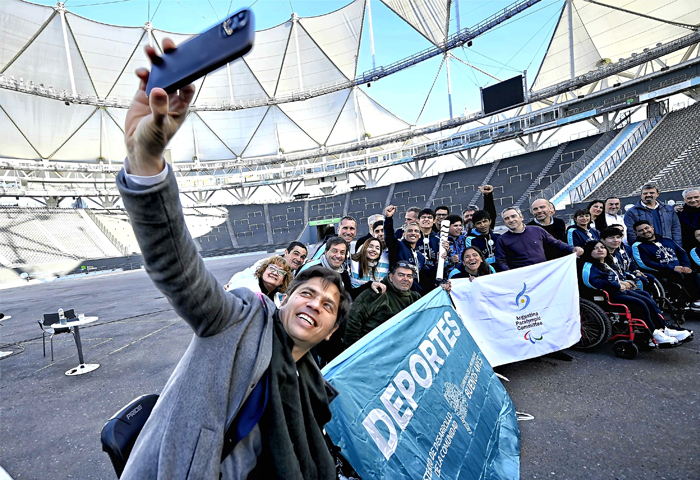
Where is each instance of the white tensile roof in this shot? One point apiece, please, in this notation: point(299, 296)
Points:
point(601, 32)
point(429, 17)
point(104, 57)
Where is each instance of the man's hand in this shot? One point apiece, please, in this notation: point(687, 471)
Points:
point(579, 251)
point(389, 211)
point(152, 121)
point(486, 189)
point(447, 286)
point(678, 207)
point(681, 269)
point(378, 287)
point(624, 286)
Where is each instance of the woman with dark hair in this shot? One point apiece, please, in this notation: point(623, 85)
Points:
point(596, 273)
point(272, 278)
point(370, 263)
point(597, 211)
point(581, 232)
point(473, 264)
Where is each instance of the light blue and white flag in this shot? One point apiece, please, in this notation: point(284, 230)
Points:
point(522, 313)
point(418, 400)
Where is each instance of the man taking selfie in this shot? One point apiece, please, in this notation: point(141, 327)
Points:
point(247, 399)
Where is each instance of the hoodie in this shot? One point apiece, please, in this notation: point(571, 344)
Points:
point(659, 254)
point(486, 242)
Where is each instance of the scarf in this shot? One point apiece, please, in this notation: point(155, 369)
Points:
point(324, 262)
point(293, 447)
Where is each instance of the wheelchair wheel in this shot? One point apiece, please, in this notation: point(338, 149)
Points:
point(625, 349)
point(595, 327)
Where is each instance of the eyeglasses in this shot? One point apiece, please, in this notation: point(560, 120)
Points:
point(404, 264)
point(276, 270)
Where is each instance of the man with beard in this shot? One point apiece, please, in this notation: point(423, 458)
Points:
point(659, 215)
point(611, 217)
point(665, 259)
point(542, 211)
point(370, 309)
point(689, 216)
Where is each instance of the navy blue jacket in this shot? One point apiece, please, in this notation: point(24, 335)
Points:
point(694, 255)
point(577, 236)
point(481, 240)
point(599, 276)
point(659, 254)
point(667, 224)
point(429, 249)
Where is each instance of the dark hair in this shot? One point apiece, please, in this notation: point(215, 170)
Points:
point(328, 277)
point(335, 241)
point(361, 258)
point(581, 212)
point(443, 207)
point(588, 249)
point(649, 186)
point(641, 222)
point(480, 215)
point(484, 267)
point(294, 244)
point(593, 202)
point(610, 232)
point(377, 224)
point(612, 198)
point(427, 211)
point(454, 219)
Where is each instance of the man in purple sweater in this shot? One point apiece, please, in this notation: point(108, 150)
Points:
point(523, 245)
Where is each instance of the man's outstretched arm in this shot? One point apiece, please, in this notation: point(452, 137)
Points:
point(169, 253)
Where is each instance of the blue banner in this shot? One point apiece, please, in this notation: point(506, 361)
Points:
point(418, 400)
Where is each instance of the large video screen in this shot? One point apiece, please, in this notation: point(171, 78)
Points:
point(503, 95)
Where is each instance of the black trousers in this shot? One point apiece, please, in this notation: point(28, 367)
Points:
point(689, 281)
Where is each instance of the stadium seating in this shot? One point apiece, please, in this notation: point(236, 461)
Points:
point(413, 193)
point(459, 187)
point(248, 223)
point(287, 221)
point(39, 236)
point(653, 160)
point(366, 202)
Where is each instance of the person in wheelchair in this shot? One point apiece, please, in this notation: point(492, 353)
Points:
point(622, 258)
point(596, 272)
point(666, 260)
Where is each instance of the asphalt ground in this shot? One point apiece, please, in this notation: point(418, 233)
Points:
point(596, 417)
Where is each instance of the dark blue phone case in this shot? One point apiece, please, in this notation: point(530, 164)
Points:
point(212, 49)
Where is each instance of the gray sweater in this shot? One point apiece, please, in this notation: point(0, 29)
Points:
point(229, 352)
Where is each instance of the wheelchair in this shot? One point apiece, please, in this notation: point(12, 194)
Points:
point(673, 298)
point(603, 322)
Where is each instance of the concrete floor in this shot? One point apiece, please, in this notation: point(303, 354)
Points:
point(597, 417)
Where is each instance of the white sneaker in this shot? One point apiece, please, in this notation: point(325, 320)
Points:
point(661, 337)
point(679, 335)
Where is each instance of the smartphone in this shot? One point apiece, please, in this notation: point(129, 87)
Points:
point(211, 49)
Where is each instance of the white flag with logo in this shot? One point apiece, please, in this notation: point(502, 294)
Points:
point(523, 313)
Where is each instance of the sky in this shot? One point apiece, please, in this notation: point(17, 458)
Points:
point(506, 51)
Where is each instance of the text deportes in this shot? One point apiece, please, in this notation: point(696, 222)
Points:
point(405, 383)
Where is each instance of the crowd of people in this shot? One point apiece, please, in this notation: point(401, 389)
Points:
point(248, 399)
point(392, 266)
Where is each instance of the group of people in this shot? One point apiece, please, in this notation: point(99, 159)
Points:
point(247, 399)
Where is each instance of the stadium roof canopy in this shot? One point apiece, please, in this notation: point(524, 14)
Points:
point(604, 31)
point(58, 50)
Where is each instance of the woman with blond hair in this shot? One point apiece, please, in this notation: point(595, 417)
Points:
point(271, 278)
